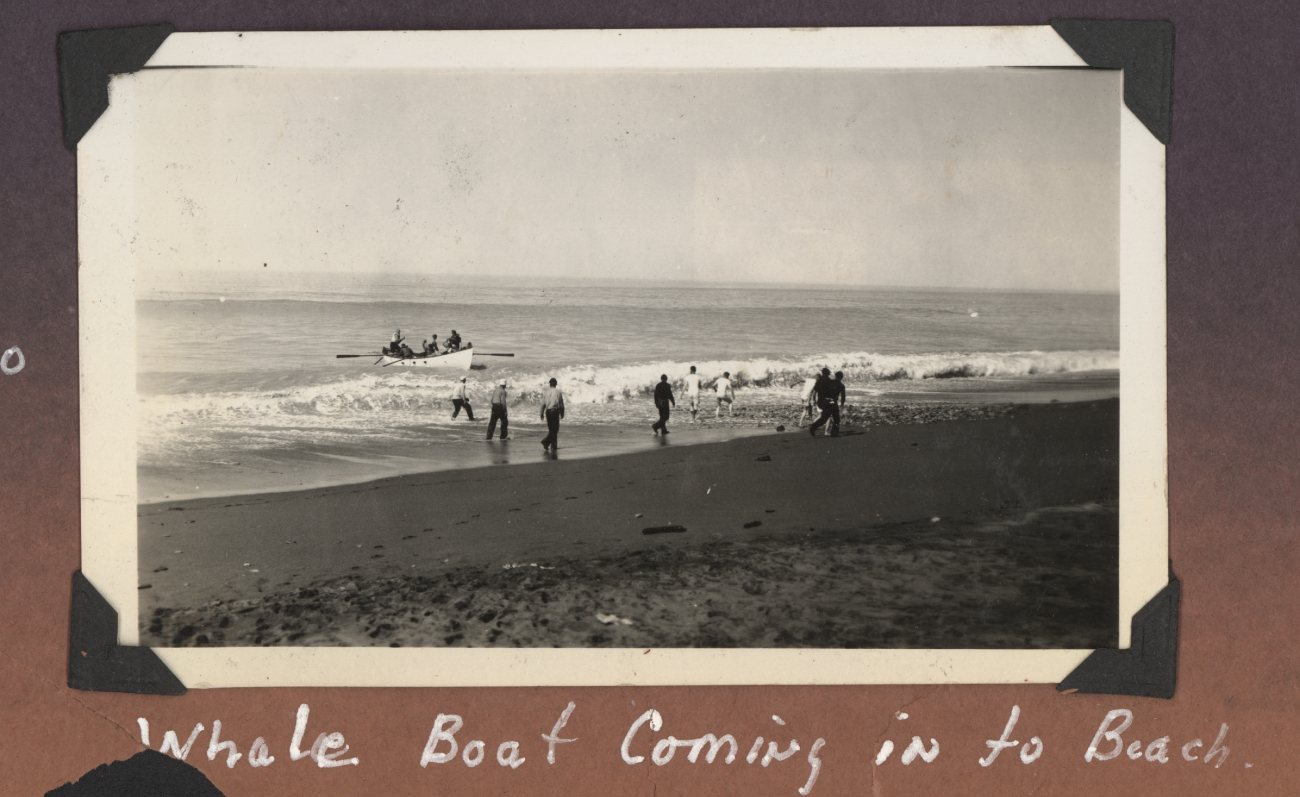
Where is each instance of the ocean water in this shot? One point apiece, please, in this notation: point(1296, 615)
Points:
point(240, 390)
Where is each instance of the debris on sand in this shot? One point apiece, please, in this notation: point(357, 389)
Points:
point(759, 594)
point(753, 524)
point(663, 530)
point(764, 458)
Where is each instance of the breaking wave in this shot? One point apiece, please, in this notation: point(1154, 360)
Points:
point(417, 393)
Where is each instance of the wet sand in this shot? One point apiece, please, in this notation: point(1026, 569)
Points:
point(844, 554)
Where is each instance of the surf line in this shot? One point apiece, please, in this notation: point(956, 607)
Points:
point(665, 748)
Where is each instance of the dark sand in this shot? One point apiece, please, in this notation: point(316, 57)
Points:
point(1024, 554)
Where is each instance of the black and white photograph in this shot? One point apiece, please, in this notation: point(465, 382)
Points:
point(626, 358)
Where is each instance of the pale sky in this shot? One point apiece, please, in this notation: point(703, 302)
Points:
point(991, 178)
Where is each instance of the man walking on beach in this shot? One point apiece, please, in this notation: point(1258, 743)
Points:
point(663, 399)
point(552, 412)
point(840, 397)
point(693, 392)
point(722, 389)
point(499, 411)
point(824, 391)
point(460, 401)
point(806, 397)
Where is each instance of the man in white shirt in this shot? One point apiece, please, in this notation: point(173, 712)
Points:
point(394, 346)
point(499, 411)
point(459, 401)
point(723, 392)
point(693, 392)
point(806, 397)
point(552, 412)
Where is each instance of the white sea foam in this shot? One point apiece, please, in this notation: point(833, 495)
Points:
point(421, 395)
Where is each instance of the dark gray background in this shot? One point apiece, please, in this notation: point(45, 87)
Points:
point(1233, 209)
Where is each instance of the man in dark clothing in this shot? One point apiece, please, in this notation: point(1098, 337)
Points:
point(663, 400)
point(453, 341)
point(825, 392)
point(498, 411)
point(840, 398)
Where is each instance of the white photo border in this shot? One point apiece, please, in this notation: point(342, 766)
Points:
point(108, 341)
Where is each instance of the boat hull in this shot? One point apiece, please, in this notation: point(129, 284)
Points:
point(457, 360)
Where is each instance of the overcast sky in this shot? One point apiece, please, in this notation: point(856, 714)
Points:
point(994, 178)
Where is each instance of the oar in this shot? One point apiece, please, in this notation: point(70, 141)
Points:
point(341, 356)
point(490, 354)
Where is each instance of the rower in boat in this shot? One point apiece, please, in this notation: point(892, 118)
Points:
point(394, 347)
point(453, 341)
point(400, 354)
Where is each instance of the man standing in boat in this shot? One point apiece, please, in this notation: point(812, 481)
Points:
point(499, 411)
point(663, 398)
point(395, 345)
point(453, 342)
point(552, 412)
point(459, 401)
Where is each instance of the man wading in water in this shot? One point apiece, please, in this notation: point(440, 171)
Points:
point(460, 401)
point(552, 412)
point(663, 399)
point(693, 392)
point(499, 411)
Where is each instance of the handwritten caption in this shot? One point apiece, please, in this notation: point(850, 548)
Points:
point(12, 361)
point(448, 744)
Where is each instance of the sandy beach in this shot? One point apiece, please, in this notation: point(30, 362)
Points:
point(1000, 531)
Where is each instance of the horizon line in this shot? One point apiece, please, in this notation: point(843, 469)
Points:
point(463, 278)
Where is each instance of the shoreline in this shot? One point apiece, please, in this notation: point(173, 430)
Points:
point(469, 449)
point(201, 554)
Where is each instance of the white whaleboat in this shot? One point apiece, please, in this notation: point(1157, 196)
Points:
point(461, 359)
